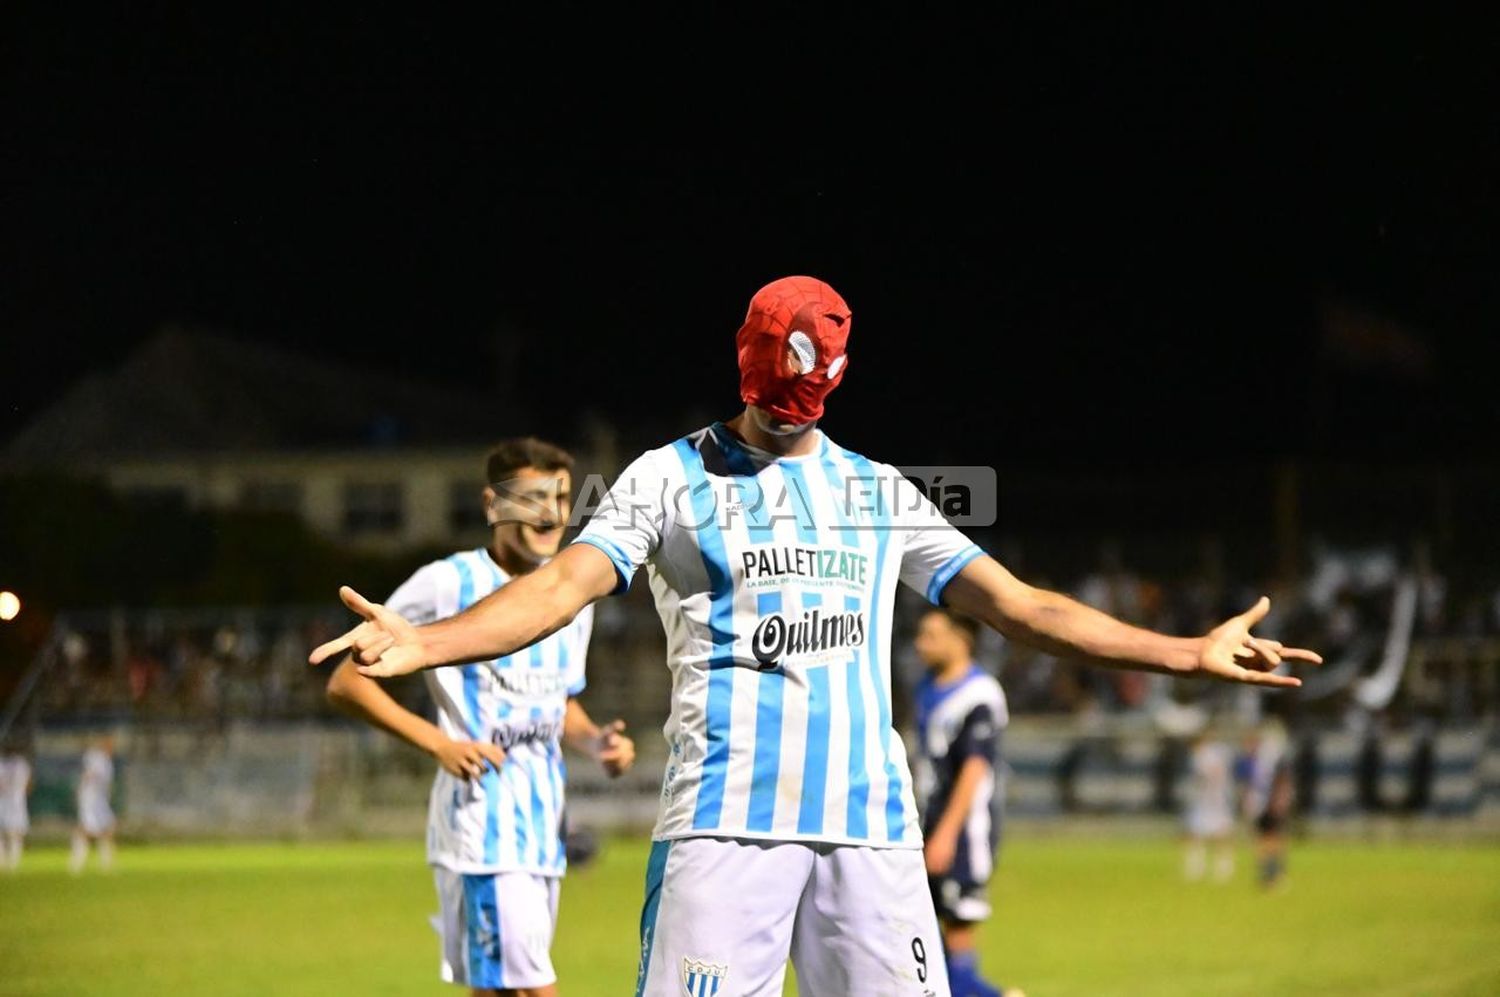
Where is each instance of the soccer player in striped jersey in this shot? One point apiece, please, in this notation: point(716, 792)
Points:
point(1209, 815)
point(495, 836)
point(96, 818)
point(15, 786)
point(787, 825)
point(961, 711)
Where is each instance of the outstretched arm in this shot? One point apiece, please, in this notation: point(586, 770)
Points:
point(514, 616)
point(364, 698)
point(1063, 626)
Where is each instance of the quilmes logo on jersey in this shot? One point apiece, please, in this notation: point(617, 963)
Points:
point(815, 633)
point(702, 979)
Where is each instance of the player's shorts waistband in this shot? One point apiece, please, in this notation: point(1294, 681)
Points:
point(788, 839)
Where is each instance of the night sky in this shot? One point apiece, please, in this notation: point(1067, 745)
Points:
point(1102, 240)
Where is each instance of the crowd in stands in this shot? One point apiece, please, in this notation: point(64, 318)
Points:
point(207, 667)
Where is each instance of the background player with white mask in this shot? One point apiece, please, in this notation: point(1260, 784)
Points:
point(495, 817)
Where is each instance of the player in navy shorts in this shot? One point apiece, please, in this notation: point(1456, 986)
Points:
point(961, 711)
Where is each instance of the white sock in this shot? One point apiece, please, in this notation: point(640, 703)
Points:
point(80, 853)
point(1224, 866)
point(17, 842)
point(106, 853)
point(10, 855)
point(1195, 861)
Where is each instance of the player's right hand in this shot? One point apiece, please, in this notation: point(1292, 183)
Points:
point(468, 759)
point(382, 646)
point(938, 853)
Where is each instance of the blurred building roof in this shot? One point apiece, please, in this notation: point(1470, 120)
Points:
point(187, 392)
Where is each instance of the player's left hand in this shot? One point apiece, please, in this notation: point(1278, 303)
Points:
point(384, 645)
point(939, 853)
point(616, 751)
point(1229, 653)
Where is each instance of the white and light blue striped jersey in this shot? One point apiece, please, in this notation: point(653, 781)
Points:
point(775, 579)
point(97, 779)
point(1210, 799)
point(511, 820)
point(15, 780)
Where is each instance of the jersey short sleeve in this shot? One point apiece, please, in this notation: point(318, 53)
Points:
point(934, 550)
point(628, 525)
point(978, 737)
point(429, 595)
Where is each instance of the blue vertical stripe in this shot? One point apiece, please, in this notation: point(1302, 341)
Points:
point(538, 837)
point(520, 835)
point(557, 776)
point(856, 818)
point(539, 815)
point(770, 696)
point(489, 781)
point(470, 672)
point(489, 562)
point(656, 872)
point(895, 810)
point(721, 627)
point(520, 828)
point(536, 654)
point(796, 481)
point(815, 751)
point(757, 511)
point(482, 910)
point(837, 487)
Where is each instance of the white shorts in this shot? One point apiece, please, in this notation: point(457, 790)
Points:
point(95, 817)
point(13, 820)
point(1209, 823)
point(722, 917)
point(496, 928)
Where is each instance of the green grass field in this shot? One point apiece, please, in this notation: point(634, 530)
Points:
point(1075, 917)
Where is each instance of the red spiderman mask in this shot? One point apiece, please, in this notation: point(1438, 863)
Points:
point(791, 348)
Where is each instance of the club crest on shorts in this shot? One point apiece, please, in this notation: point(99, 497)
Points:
point(701, 979)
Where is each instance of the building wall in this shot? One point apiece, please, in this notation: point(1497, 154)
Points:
point(429, 483)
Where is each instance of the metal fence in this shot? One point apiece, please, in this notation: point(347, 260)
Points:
point(319, 780)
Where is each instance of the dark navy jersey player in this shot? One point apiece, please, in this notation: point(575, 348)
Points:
point(960, 713)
